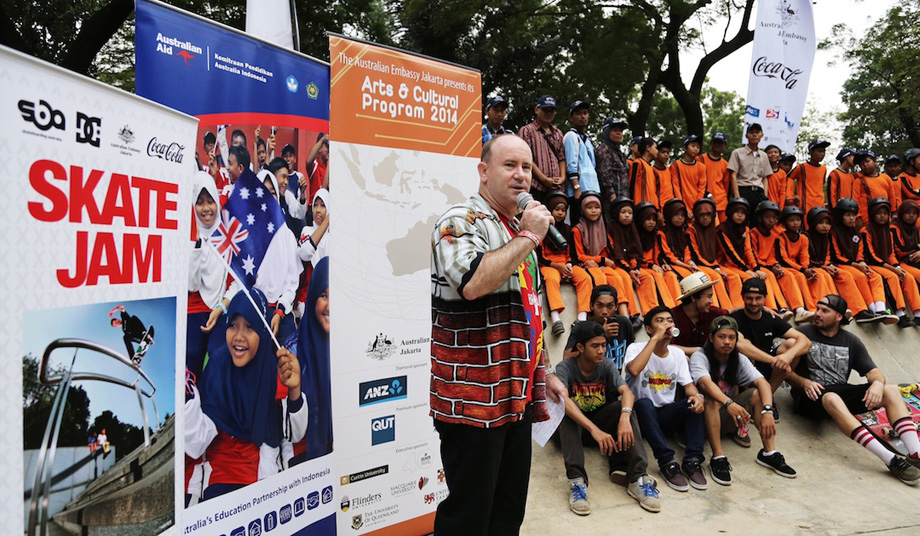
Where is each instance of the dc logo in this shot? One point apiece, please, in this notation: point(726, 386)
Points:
point(396, 388)
point(88, 129)
point(42, 116)
point(291, 84)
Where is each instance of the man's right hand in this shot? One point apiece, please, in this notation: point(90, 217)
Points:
point(536, 219)
point(611, 328)
point(739, 415)
point(605, 441)
point(812, 389)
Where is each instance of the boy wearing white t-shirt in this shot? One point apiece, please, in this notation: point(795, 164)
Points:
point(653, 371)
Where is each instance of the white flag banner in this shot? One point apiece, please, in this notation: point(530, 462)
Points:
point(784, 51)
point(270, 20)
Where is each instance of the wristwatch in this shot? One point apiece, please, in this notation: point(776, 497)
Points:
point(727, 403)
point(766, 409)
point(550, 370)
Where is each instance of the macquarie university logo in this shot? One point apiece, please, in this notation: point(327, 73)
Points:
point(383, 429)
point(382, 390)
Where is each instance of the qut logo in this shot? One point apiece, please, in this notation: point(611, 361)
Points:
point(383, 429)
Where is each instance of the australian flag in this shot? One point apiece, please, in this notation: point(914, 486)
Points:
point(250, 221)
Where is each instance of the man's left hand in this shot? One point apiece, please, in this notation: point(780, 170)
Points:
point(873, 397)
point(556, 390)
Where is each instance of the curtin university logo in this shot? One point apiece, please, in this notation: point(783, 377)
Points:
point(382, 390)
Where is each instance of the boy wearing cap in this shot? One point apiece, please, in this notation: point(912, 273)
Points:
point(776, 191)
point(634, 148)
point(545, 141)
point(718, 179)
point(749, 168)
point(869, 184)
point(893, 166)
point(641, 175)
point(820, 389)
point(840, 179)
point(663, 178)
point(594, 416)
point(580, 170)
point(496, 108)
point(910, 182)
point(808, 177)
point(617, 328)
point(689, 175)
point(654, 369)
point(734, 391)
point(612, 165)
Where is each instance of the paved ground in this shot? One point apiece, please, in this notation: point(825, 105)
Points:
point(841, 488)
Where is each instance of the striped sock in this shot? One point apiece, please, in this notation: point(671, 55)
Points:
point(866, 439)
point(907, 431)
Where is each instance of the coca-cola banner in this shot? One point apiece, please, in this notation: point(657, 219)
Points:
point(784, 51)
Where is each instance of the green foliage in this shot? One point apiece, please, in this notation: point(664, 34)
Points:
point(882, 95)
point(125, 437)
point(722, 111)
point(36, 409)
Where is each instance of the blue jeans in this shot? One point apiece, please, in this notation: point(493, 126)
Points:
point(658, 423)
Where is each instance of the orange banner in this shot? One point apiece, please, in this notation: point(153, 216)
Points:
point(384, 97)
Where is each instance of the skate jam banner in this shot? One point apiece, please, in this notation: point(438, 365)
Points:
point(275, 103)
point(405, 144)
point(784, 51)
point(95, 223)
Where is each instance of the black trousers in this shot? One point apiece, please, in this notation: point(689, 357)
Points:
point(487, 471)
point(754, 196)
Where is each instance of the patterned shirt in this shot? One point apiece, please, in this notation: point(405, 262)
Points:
point(546, 148)
point(488, 133)
point(612, 171)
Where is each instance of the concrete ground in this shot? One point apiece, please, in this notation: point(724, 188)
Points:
point(841, 488)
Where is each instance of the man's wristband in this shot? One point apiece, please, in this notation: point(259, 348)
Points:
point(727, 403)
point(626, 410)
point(531, 236)
point(576, 187)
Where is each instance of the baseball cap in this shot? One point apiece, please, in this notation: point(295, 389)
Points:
point(836, 303)
point(818, 144)
point(497, 100)
point(720, 136)
point(866, 153)
point(546, 101)
point(845, 152)
point(911, 154)
point(723, 322)
point(754, 284)
point(578, 104)
point(893, 158)
point(787, 156)
point(635, 140)
point(615, 121)
point(690, 139)
point(587, 330)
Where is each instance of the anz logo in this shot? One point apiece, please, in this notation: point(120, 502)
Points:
point(382, 390)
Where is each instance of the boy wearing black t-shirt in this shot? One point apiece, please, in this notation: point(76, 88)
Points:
point(618, 328)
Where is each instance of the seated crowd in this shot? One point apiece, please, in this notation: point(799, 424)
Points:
point(715, 257)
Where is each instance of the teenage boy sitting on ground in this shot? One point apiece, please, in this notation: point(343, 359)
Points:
point(594, 416)
point(734, 389)
point(820, 388)
point(617, 328)
point(654, 369)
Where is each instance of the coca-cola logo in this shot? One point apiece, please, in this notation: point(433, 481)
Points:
point(775, 69)
point(171, 152)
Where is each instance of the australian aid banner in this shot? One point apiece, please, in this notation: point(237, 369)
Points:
point(257, 436)
point(405, 144)
point(784, 51)
point(94, 226)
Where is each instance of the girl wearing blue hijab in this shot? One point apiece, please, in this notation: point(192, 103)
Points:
point(236, 421)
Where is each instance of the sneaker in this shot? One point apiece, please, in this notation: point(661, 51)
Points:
point(578, 497)
point(849, 314)
point(645, 491)
point(721, 470)
point(742, 440)
point(775, 412)
point(777, 462)
point(904, 470)
point(905, 322)
point(694, 473)
point(866, 317)
point(558, 328)
point(914, 461)
point(804, 316)
point(636, 321)
point(674, 478)
point(786, 314)
point(618, 476)
point(887, 318)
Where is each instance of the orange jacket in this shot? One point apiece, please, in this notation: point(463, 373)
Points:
point(793, 253)
point(776, 188)
point(910, 186)
point(839, 184)
point(764, 246)
point(809, 185)
point(871, 255)
point(642, 182)
point(580, 254)
point(691, 181)
point(664, 185)
point(743, 260)
point(718, 180)
point(866, 188)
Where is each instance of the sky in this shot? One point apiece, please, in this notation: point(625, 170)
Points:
point(828, 73)
point(92, 322)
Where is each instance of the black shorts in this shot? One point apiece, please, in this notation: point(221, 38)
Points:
point(852, 396)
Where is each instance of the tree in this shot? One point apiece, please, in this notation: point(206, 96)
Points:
point(36, 409)
point(722, 111)
point(125, 437)
point(882, 95)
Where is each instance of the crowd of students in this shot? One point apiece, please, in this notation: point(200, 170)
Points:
point(715, 257)
point(249, 403)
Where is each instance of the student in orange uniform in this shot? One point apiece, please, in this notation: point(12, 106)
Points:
point(855, 290)
point(689, 174)
point(869, 184)
point(718, 179)
point(878, 249)
point(907, 237)
point(556, 265)
point(792, 254)
point(663, 179)
point(627, 253)
point(909, 179)
point(593, 253)
point(642, 183)
point(776, 183)
point(793, 285)
point(847, 253)
point(786, 163)
point(675, 249)
point(840, 179)
point(893, 166)
point(809, 177)
point(737, 255)
point(704, 250)
point(665, 279)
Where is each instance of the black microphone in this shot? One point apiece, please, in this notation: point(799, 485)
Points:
point(523, 199)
